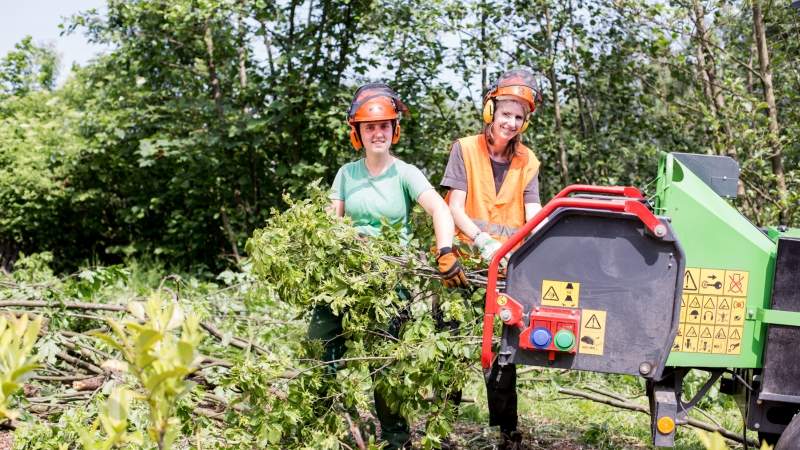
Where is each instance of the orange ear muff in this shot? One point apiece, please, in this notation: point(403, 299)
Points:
point(354, 138)
point(396, 135)
point(488, 111)
point(525, 124)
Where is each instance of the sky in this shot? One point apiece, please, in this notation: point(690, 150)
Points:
point(40, 19)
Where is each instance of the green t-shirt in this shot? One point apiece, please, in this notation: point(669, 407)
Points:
point(368, 199)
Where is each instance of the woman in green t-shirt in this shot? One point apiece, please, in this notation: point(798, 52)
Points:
point(376, 187)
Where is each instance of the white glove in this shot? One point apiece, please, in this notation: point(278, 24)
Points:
point(487, 245)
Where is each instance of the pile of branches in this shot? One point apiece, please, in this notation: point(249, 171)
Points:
point(252, 376)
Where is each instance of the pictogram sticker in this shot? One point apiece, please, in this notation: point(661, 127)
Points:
point(711, 281)
point(712, 311)
point(737, 313)
point(689, 279)
point(593, 323)
point(683, 308)
point(593, 332)
point(735, 282)
point(561, 293)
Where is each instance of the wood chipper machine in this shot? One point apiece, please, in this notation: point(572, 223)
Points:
point(603, 279)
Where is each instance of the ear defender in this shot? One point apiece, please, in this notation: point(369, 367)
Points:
point(488, 111)
point(525, 124)
point(396, 134)
point(355, 139)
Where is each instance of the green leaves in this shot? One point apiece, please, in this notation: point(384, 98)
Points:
point(159, 360)
point(17, 338)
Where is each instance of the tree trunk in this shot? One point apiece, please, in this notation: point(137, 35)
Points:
point(344, 44)
point(714, 91)
point(769, 98)
point(8, 255)
point(268, 46)
point(242, 50)
point(484, 74)
point(289, 47)
point(216, 90)
point(562, 151)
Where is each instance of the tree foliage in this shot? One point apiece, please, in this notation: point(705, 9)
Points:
point(178, 141)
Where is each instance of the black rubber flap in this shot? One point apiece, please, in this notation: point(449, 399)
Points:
point(781, 376)
point(632, 276)
point(720, 173)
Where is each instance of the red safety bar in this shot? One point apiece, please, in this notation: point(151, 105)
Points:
point(628, 205)
point(622, 191)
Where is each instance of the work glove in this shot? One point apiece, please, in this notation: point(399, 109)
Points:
point(487, 245)
point(450, 268)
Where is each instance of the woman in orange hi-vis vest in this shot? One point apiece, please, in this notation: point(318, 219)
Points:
point(493, 190)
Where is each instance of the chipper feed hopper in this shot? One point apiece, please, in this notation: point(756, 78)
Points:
point(605, 280)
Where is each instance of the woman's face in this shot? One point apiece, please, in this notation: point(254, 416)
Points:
point(508, 119)
point(376, 136)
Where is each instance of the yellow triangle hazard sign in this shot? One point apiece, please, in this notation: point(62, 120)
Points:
point(683, 302)
point(720, 334)
point(724, 304)
point(593, 323)
point(694, 303)
point(550, 295)
point(691, 333)
point(709, 303)
point(735, 334)
point(688, 282)
point(706, 333)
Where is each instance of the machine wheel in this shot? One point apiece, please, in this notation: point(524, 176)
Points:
point(790, 438)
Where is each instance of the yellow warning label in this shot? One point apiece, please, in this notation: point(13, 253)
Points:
point(712, 311)
point(711, 281)
point(735, 282)
point(593, 332)
point(737, 312)
point(690, 280)
point(561, 293)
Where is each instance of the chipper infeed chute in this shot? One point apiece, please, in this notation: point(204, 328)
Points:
point(597, 287)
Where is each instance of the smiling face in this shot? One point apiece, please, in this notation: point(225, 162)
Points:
point(508, 119)
point(376, 136)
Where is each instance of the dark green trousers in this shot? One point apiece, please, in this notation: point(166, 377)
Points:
point(327, 327)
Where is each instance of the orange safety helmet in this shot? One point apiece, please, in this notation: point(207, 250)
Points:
point(520, 84)
point(373, 102)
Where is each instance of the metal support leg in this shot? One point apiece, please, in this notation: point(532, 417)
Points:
point(663, 406)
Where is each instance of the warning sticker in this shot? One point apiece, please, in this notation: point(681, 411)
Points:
point(712, 311)
point(690, 280)
point(561, 293)
point(711, 281)
point(735, 282)
point(593, 332)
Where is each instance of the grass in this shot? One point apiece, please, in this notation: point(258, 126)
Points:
point(551, 420)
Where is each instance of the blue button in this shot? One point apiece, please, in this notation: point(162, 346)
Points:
point(541, 337)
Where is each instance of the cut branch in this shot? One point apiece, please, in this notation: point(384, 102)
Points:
point(612, 400)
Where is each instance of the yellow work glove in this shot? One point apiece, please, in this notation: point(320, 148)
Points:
point(450, 268)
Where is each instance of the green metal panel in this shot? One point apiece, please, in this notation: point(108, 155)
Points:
point(714, 235)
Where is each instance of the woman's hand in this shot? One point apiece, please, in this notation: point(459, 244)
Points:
point(450, 268)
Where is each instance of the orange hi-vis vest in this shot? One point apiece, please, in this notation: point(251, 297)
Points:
point(498, 213)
